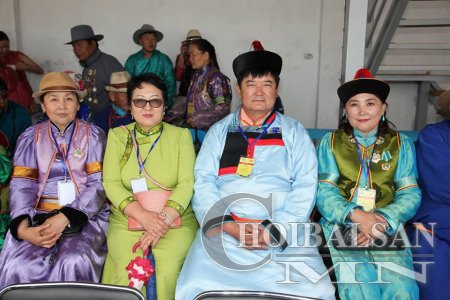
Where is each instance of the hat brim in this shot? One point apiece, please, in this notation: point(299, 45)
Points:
point(363, 85)
point(137, 34)
point(97, 37)
point(444, 103)
point(191, 39)
point(257, 59)
point(117, 90)
point(37, 95)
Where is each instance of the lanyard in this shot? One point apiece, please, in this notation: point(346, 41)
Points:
point(139, 159)
point(61, 155)
point(265, 128)
point(365, 166)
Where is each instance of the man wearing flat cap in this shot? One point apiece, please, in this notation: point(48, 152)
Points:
point(97, 67)
point(151, 60)
point(255, 184)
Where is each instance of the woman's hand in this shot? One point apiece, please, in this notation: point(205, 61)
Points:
point(37, 235)
point(152, 222)
point(148, 239)
point(370, 225)
point(57, 224)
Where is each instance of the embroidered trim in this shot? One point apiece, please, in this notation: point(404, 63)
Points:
point(327, 181)
point(404, 183)
point(180, 209)
point(153, 130)
point(127, 152)
point(25, 172)
point(406, 187)
point(47, 206)
point(329, 177)
point(125, 203)
point(94, 167)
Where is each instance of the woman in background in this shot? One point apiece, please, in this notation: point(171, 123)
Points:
point(209, 94)
point(19, 87)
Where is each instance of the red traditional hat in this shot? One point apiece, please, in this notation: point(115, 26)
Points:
point(363, 82)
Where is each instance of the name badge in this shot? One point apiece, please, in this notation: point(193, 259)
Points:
point(66, 192)
point(366, 198)
point(245, 166)
point(139, 185)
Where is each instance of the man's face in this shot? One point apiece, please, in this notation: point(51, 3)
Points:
point(258, 95)
point(148, 42)
point(83, 49)
point(120, 99)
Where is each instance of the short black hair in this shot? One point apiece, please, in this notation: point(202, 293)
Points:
point(150, 78)
point(3, 36)
point(257, 72)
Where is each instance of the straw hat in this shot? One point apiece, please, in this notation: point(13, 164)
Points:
point(444, 102)
point(147, 29)
point(192, 35)
point(58, 82)
point(118, 82)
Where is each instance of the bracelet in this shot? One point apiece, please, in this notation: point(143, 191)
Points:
point(167, 217)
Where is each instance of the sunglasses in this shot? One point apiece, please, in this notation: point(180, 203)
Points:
point(141, 103)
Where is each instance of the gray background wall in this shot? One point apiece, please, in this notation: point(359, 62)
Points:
point(308, 34)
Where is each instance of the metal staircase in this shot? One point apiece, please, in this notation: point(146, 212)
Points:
point(409, 41)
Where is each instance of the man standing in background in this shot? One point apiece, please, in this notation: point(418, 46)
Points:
point(151, 60)
point(97, 67)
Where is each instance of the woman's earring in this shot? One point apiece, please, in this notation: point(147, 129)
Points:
point(383, 118)
point(132, 117)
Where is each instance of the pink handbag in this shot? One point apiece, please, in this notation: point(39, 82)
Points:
point(153, 200)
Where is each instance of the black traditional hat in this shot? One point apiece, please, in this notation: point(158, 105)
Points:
point(257, 59)
point(363, 82)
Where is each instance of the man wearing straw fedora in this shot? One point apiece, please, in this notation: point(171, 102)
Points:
point(97, 66)
point(119, 113)
point(151, 60)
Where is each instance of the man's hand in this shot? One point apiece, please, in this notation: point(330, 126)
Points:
point(251, 236)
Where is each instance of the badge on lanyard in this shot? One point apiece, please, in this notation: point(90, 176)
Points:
point(139, 185)
point(66, 192)
point(245, 166)
point(66, 188)
point(366, 198)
